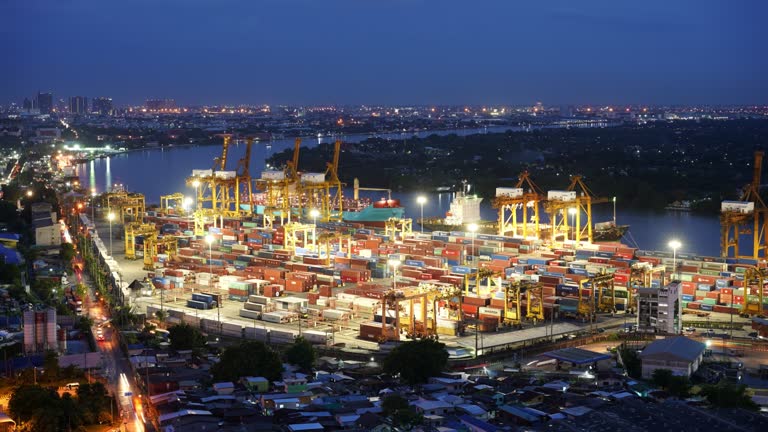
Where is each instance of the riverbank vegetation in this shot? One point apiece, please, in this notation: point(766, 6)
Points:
point(645, 166)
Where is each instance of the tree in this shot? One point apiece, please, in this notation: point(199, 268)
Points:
point(67, 253)
point(400, 412)
point(418, 360)
point(662, 377)
point(36, 406)
point(728, 395)
point(185, 337)
point(93, 401)
point(301, 354)
point(248, 359)
point(51, 366)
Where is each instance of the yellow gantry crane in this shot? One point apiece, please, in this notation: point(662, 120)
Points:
point(397, 226)
point(282, 189)
point(243, 179)
point(526, 194)
point(749, 216)
point(169, 244)
point(641, 276)
point(534, 294)
point(167, 202)
point(123, 204)
point(753, 304)
point(133, 230)
point(323, 191)
point(573, 202)
point(327, 238)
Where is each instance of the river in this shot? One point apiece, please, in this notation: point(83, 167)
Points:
point(156, 172)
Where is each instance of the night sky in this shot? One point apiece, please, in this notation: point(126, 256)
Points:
point(387, 51)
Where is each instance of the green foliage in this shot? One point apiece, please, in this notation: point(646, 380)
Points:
point(51, 366)
point(186, 337)
point(400, 412)
point(94, 401)
point(301, 353)
point(661, 377)
point(632, 363)
point(416, 361)
point(678, 386)
point(248, 359)
point(728, 395)
point(67, 253)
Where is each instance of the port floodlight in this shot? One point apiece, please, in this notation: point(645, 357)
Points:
point(314, 213)
point(209, 239)
point(472, 227)
point(421, 200)
point(29, 193)
point(196, 183)
point(572, 210)
point(674, 244)
point(394, 262)
point(708, 343)
point(111, 217)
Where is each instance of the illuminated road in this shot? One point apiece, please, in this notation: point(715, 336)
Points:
point(120, 381)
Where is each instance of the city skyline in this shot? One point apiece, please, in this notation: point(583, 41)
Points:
point(404, 52)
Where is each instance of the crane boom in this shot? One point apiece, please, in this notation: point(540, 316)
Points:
point(357, 188)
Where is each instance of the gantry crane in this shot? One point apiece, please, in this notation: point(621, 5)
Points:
point(393, 226)
point(576, 200)
point(529, 195)
point(603, 283)
point(220, 163)
point(243, 178)
point(167, 201)
point(295, 231)
point(534, 294)
point(753, 304)
point(324, 191)
point(586, 306)
point(123, 204)
point(747, 216)
point(492, 277)
point(356, 190)
point(170, 245)
point(326, 238)
point(282, 189)
point(512, 294)
point(641, 276)
point(217, 187)
point(133, 230)
point(444, 293)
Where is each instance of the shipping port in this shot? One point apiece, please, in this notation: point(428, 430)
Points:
point(291, 263)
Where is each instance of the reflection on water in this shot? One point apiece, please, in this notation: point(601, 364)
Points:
point(163, 171)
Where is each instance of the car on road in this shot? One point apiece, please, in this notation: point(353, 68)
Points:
point(691, 329)
point(753, 335)
point(100, 338)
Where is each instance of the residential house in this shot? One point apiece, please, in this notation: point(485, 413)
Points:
point(679, 354)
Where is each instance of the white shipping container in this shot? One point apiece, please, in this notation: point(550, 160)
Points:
point(202, 173)
point(509, 192)
point(561, 195)
point(272, 175)
point(737, 206)
point(334, 315)
point(313, 177)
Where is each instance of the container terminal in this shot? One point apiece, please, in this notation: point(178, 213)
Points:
point(283, 255)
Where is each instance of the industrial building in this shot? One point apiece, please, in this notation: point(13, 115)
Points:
point(658, 309)
point(679, 354)
point(47, 230)
point(40, 331)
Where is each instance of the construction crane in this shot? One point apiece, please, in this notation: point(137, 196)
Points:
point(576, 200)
point(753, 304)
point(133, 230)
point(749, 216)
point(525, 194)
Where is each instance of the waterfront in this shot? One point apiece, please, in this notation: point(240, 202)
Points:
point(162, 171)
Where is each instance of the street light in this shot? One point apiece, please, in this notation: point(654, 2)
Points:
point(572, 211)
point(614, 210)
point(314, 213)
point(421, 200)
point(473, 229)
point(394, 263)
point(93, 206)
point(185, 204)
point(196, 184)
point(209, 239)
point(675, 245)
point(30, 193)
point(111, 217)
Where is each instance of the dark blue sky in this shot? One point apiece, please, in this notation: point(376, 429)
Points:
point(387, 51)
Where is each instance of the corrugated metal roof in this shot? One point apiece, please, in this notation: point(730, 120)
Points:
point(678, 346)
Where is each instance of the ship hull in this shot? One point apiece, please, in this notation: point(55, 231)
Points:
point(491, 227)
point(373, 216)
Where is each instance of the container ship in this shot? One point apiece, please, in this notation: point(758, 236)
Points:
point(465, 209)
point(375, 214)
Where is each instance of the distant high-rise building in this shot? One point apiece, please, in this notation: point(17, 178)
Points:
point(44, 102)
point(160, 104)
point(78, 105)
point(566, 111)
point(27, 105)
point(40, 331)
point(101, 105)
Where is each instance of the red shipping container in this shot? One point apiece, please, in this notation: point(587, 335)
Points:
point(469, 309)
point(693, 305)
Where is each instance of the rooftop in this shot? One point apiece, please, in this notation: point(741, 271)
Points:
point(678, 346)
point(576, 356)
